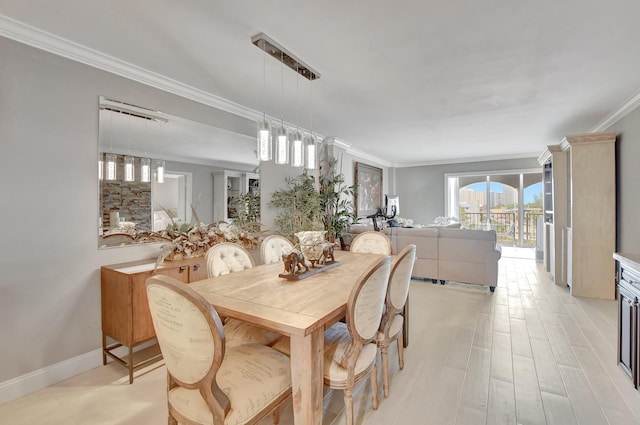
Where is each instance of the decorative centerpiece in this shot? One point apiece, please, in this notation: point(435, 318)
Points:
point(311, 244)
point(315, 256)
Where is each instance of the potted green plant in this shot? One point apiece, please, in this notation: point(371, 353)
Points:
point(299, 206)
point(246, 209)
point(336, 202)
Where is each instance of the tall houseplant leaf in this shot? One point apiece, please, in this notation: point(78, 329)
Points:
point(299, 206)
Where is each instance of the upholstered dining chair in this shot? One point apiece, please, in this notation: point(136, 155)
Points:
point(207, 382)
point(349, 348)
point(372, 243)
point(225, 258)
point(393, 321)
point(273, 247)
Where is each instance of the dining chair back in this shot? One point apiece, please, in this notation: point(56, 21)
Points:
point(350, 354)
point(204, 385)
point(227, 257)
point(372, 243)
point(391, 326)
point(273, 247)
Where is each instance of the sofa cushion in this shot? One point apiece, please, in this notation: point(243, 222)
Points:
point(425, 240)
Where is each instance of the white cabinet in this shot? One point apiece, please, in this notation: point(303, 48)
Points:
point(583, 212)
point(228, 185)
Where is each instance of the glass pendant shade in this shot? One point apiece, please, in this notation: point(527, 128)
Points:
point(159, 171)
point(145, 170)
point(110, 166)
point(282, 146)
point(100, 167)
point(297, 151)
point(129, 174)
point(311, 160)
point(264, 141)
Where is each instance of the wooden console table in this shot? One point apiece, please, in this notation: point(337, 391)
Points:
point(125, 312)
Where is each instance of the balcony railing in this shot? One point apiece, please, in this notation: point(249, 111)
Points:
point(506, 226)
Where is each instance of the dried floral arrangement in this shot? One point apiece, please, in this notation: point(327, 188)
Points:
point(194, 240)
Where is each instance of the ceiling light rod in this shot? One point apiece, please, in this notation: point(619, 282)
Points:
point(266, 43)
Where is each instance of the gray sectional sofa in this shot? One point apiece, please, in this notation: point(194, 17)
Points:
point(461, 255)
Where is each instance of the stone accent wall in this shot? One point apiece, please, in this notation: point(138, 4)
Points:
point(131, 199)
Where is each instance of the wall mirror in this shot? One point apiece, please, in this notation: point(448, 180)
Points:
point(153, 167)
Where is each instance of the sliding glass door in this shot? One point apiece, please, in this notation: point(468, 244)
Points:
point(508, 202)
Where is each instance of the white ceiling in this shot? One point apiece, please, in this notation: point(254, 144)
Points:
point(409, 82)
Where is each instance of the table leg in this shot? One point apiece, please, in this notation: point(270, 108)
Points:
point(306, 377)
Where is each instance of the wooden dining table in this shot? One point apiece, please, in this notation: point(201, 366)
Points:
point(300, 309)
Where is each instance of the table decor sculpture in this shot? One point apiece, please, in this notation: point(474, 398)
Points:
point(315, 256)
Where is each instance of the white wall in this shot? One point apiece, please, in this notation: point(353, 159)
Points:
point(627, 178)
point(50, 285)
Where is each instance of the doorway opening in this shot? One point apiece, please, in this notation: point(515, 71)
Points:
point(171, 200)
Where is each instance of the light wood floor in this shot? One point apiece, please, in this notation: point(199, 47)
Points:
point(527, 354)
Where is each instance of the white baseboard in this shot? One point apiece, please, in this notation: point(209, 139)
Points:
point(41, 378)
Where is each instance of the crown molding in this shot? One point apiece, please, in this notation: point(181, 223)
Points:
point(617, 114)
point(334, 141)
point(466, 160)
point(35, 37)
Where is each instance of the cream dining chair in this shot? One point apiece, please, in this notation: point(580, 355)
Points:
point(207, 382)
point(349, 348)
point(372, 243)
point(225, 258)
point(392, 323)
point(273, 247)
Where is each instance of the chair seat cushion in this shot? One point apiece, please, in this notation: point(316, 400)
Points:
point(238, 332)
point(283, 345)
point(251, 375)
point(336, 343)
point(394, 330)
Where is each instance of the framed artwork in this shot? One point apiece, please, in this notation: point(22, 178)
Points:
point(368, 196)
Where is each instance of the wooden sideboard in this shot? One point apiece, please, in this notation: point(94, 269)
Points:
point(628, 288)
point(125, 312)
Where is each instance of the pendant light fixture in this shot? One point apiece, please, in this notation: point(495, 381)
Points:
point(100, 166)
point(129, 169)
point(145, 170)
point(145, 162)
point(297, 145)
point(159, 170)
point(311, 152)
point(111, 159)
point(110, 166)
point(264, 131)
point(283, 153)
point(297, 150)
point(282, 138)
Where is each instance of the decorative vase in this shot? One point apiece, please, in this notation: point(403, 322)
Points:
point(311, 244)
